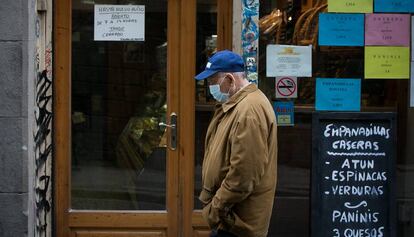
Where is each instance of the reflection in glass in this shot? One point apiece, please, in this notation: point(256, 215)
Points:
point(118, 100)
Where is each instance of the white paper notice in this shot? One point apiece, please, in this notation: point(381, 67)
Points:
point(412, 86)
point(119, 23)
point(288, 60)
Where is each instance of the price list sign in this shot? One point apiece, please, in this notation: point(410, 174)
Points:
point(353, 175)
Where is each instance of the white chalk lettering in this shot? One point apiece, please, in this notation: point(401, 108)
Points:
point(343, 131)
point(355, 145)
point(355, 216)
point(374, 232)
point(346, 176)
point(352, 190)
point(358, 164)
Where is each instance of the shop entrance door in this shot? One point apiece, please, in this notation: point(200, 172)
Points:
point(124, 118)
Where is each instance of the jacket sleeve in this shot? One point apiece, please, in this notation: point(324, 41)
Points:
point(248, 159)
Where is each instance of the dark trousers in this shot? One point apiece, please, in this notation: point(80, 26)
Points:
point(221, 233)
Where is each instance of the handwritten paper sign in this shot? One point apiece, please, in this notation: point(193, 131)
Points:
point(338, 94)
point(394, 6)
point(353, 166)
point(119, 23)
point(341, 29)
point(285, 114)
point(288, 60)
point(350, 6)
point(387, 29)
point(387, 62)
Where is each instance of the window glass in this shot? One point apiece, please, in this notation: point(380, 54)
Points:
point(118, 100)
point(296, 23)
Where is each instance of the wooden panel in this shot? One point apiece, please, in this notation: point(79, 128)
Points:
point(118, 219)
point(224, 24)
point(201, 233)
point(108, 233)
point(198, 220)
point(187, 118)
point(173, 77)
point(61, 111)
point(201, 228)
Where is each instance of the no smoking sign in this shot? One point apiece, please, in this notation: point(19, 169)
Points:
point(286, 87)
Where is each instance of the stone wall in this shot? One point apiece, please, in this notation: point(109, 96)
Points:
point(13, 118)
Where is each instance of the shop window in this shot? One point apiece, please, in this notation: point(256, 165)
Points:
point(295, 22)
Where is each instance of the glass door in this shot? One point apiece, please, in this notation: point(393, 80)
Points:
point(119, 111)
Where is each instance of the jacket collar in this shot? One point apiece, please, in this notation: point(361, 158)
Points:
point(239, 96)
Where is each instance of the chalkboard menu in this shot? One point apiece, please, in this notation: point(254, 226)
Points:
point(353, 174)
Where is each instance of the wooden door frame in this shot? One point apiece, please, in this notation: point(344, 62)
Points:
point(67, 218)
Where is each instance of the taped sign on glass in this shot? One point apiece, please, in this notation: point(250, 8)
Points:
point(338, 94)
point(286, 87)
point(386, 62)
point(285, 114)
point(387, 29)
point(288, 60)
point(341, 29)
point(394, 6)
point(119, 23)
point(350, 6)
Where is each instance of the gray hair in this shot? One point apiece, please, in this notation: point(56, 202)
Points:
point(239, 75)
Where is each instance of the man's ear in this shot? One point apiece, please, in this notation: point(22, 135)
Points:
point(232, 79)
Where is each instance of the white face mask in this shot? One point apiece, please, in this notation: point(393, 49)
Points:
point(217, 94)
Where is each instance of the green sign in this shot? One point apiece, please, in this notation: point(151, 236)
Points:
point(350, 6)
point(387, 62)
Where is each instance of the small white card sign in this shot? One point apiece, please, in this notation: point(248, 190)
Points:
point(288, 60)
point(119, 23)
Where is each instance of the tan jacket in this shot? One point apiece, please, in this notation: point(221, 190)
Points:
point(239, 167)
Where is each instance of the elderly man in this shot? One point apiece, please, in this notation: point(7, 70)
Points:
point(239, 167)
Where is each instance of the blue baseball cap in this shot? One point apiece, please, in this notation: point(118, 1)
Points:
point(222, 61)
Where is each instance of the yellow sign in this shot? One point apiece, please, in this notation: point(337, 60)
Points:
point(350, 6)
point(387, 62)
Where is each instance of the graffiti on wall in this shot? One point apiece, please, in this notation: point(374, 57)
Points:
point(42, 124)
point(43, 152)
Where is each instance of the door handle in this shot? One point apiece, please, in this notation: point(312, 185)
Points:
point(173, 130)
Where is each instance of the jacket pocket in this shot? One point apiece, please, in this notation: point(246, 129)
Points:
point(227, 218)
point(239, 226)
point(211, 215)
